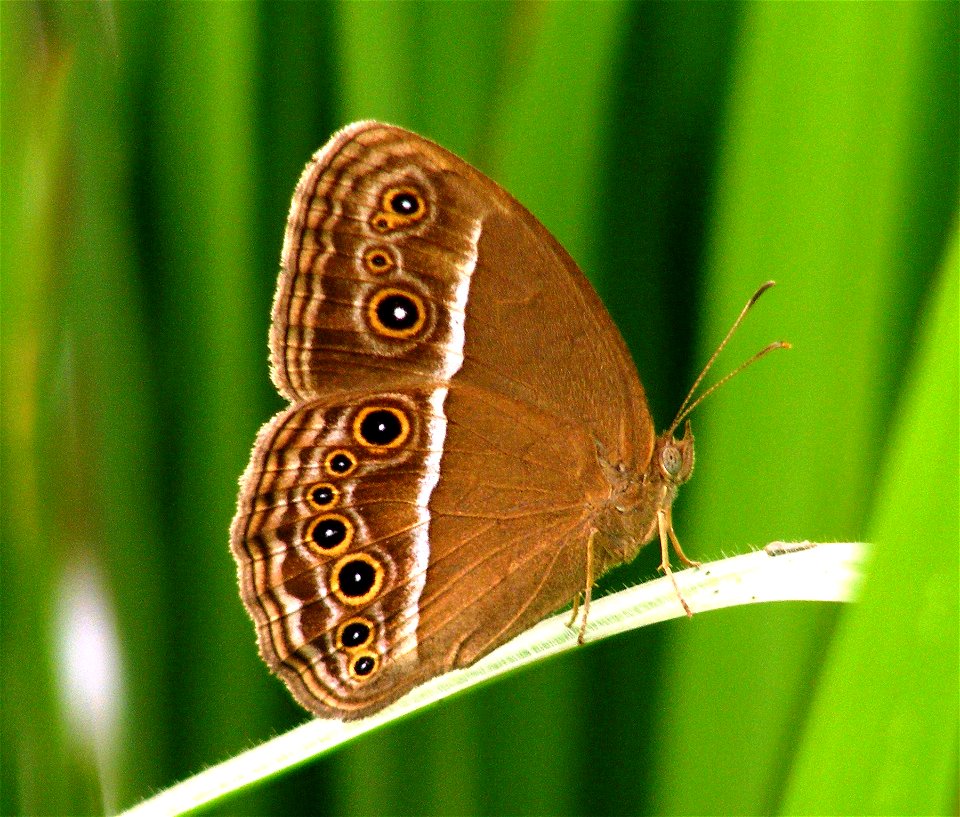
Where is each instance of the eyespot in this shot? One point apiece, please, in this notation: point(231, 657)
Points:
point(330, 534)
point(356, 579)
point(671, 460)
point(355, 632)
point(378, 261)
point(399, 206)
point(381, 427)
point(396, 313)
point(323, 496)
point(339, 462)
point(363, 663)
point(405, 202)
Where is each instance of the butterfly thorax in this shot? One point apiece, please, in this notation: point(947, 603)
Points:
point(629, 519)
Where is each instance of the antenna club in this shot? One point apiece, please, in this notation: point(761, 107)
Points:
point(756, 295)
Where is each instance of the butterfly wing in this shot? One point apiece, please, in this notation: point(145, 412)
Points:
point(453, 376)
point(366, 570)
point(503, 305)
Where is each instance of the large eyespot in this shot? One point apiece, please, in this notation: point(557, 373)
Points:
point(378, 261)
point(381, 427)
point(339, 462)
point(356, 579)
point(363, 663)
point(404, 202)
point(323, 496)
point(396, 313)
point(353, 633)
point(671, 460)
point(330, 534)
point(399, 206)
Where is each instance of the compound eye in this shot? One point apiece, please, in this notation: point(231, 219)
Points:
point(671, 460)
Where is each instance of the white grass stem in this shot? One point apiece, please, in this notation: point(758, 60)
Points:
point(779, 572)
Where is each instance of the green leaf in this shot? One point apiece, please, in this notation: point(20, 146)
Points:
point(823, 126)
point(882, 732)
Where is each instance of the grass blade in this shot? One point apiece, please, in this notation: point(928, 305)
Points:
point(780, 572)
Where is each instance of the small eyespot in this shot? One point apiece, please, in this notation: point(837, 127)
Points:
point(363, 664)
point(396, 313)
point(356, 579)
point(399, 206)
point(339, 463)
point(356, 632)
point(378, 261)
point(381, 427)
point(323, 496)
point(331, 534)
point(671, 460)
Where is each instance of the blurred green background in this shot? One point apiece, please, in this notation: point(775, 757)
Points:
point(683, 153)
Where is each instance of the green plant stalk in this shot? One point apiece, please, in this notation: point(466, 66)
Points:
point(779, 572)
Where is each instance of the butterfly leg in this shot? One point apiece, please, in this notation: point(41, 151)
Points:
point(586, 593)
point(587, 590)
point(664, 523)
point(676, 543)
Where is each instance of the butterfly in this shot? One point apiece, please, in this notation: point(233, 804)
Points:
point(467, 447)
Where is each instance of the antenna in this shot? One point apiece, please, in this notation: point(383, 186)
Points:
point(686, 407)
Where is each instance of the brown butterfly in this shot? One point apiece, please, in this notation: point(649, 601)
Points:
point(468, 444)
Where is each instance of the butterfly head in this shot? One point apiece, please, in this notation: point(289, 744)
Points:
point(673, 458)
